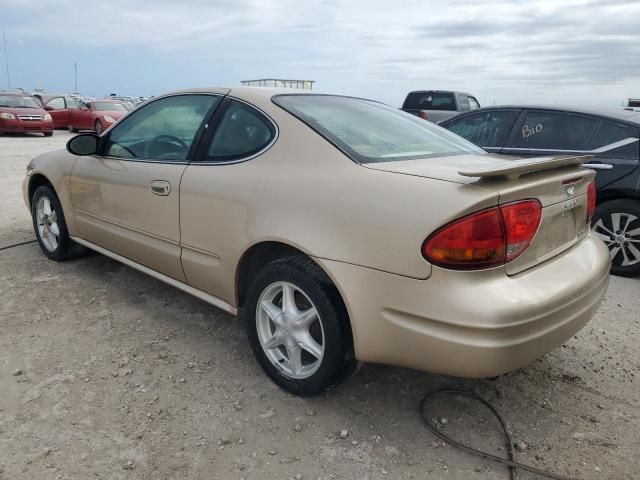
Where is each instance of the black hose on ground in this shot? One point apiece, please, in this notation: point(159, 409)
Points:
point(509, 462)
point(17, 245)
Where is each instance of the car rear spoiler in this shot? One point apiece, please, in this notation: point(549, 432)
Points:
point(516, 168)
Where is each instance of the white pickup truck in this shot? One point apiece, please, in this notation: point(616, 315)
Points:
point(438, 105)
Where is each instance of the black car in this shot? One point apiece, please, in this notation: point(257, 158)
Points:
point(536, 131)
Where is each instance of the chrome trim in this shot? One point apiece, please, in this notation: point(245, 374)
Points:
point(598, 166)
point(212, 300)
point(30, 118)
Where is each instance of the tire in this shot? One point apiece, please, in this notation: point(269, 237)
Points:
point(72, 129)
point(330, 330)
point(98, 127)
point(617, 223)
point(48, 134)
point(56, 247)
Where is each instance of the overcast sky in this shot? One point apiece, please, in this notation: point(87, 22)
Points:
point(533, 51)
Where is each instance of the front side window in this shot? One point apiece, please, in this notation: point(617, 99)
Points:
point(370, 132)
point(56, 103)
point(555, 131)
point(108, 107)
point(611, 132)
point(486, 129)
point(242, 132)
point(473, 104)
point(429, 101)
point(161, 130)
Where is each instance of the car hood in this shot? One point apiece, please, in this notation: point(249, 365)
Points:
point(115, 114)
point(463, 168)
point(23, 111)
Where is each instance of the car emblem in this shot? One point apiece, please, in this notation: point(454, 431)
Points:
point(570, 191)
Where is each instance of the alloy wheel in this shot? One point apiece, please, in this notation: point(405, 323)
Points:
point(47, 221)
point(621, 237)
point(290, 330)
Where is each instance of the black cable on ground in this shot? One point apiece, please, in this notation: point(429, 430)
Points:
point(17, 245)
point(509, 462)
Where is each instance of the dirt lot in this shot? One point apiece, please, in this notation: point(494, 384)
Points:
point(107, 373)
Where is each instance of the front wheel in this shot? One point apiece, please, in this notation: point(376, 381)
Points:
point(48, 134)
point(50, 227)
point(72, 129)
point(617, 223)
point(298, 327)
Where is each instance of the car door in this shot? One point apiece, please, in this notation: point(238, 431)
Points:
point(126, 199)
point(80, 117)
point(487, 128)
point(57, 107)
point(618, 163)
point(221, 182)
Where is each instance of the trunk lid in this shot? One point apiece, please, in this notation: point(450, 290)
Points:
point(559, 183)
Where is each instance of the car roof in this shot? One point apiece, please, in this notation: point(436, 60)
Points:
point(442, 91)
point(616, 113)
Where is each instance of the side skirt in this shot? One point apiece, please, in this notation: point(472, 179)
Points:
point(215, 301)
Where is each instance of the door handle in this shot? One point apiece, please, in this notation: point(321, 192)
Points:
point(160, 187)
point(598, 166)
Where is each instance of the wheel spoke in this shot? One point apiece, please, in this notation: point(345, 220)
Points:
point(272, 311)
point(633, 233)
point(615, 221)
point(46, 206)
point(53, 218)
point(629, 218)
point(295, 359)
point(307, 317)
point(273, 342)
point(625, 256)
point(604, 237)
point(288, 299)
point(600, 225)
point(53, 228)
point(635, 253)
point(307, 342)
point(614, 252)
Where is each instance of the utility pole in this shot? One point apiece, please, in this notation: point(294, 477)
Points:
point(6, 59)
point(75, 67)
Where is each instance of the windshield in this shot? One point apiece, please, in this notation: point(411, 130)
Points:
point(371, 132)
point(429, 101)
point(109, 107)
point(18, 101)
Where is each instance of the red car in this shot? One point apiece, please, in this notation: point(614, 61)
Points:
point(22, 113)
point(60, 106)
point(96, 115)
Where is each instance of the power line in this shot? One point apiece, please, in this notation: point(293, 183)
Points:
point(6, 59)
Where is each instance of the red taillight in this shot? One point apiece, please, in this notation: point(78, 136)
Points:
point(591, 201)
point(423, 115)
point(485, 239)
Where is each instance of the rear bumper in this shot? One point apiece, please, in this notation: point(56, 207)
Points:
point(472, 324)
point(19, 126)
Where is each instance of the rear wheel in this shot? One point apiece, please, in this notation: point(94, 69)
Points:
point(72, 129)
point(298, 327)
point(617, 223)
point(98, 127)
point(47, 134)
point(50, 227)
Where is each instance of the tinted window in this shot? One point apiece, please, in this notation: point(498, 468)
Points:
point(486, 129)
point(463, 103)
point(610, 132)
point(429, 101)
point(18, 101)
point(473, 104)
point(372, 132)
point(242, 132)
point(555, 131)
point(109, 107)
point(161, 130)
point(57, 103)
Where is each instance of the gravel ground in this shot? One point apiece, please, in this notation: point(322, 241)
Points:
point(107, 373)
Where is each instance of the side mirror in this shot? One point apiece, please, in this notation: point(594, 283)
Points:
point(84, 144)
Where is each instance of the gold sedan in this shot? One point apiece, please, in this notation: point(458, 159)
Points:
point(339, 229)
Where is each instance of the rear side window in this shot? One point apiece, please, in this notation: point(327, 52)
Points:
point(56, 103)
point(368, 131)
point(242, 132)
point(486, 129)
point(429, 101)
point(555, 131)
point(610, 132)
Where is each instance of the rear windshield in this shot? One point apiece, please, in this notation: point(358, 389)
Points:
point(370, 132)
point(429, 101)
point(109, 107)
point(18, 101)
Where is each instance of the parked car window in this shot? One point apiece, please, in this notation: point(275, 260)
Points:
point(555, 131)
point(610, 132)
point(429, 101)
point(162, 130)
point(473, 104)
point(72, 102)
point(485, 129)
point(56, 103)
point(109, 107)
point(463, 103)
point(18, 101)
point(369, 131)
point(242, 132)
